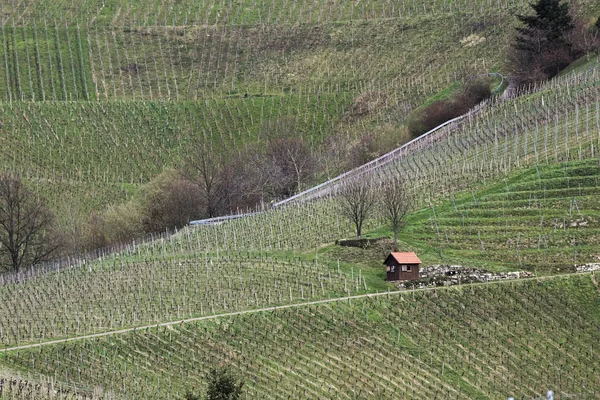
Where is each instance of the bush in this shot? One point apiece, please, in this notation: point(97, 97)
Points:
point(169, 201)
point(444, 110)
point(223, 385)
point(123, 222)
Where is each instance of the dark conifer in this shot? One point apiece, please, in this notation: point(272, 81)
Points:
point(547, 28)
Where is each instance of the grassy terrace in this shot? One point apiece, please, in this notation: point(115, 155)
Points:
point(477, 342)
point(544, 219)
point(97, 98)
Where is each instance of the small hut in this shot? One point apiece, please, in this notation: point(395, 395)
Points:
point(402, 266)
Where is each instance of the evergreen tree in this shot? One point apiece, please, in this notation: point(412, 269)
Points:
point(548, 26)
point(598, 23)
point(542, 46)
point(223, 385)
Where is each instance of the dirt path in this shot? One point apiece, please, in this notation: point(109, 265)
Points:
point(258, 310)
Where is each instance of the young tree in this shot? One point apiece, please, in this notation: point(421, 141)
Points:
point(542, 43)
point(395, 205)
point(26, 225)
point(223, 385)
point(357, 201)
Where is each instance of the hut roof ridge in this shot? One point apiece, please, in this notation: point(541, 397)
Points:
point(405, 257)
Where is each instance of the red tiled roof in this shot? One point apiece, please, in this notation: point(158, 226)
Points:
point(405, 258)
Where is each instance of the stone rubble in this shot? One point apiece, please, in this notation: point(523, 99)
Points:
point(447, 275)
point(587, 267)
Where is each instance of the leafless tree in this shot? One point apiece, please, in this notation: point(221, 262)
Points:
point(291, 161)
point(26, 225)
point(586, 40)
point(357, 201)
point(204, 167)
point(395, 205)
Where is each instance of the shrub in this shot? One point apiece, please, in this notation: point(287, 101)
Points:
point(223, 385)
point(444, 110)
point(169, 201)
point(123, 222)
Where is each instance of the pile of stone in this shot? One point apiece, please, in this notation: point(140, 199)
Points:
point(587, 267)
point(447, 275)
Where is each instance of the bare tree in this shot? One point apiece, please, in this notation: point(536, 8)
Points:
point(357, 201)
point(25, 227)
point(205, 168)
point(586, 40)
point(291, 161)
point(395, 205)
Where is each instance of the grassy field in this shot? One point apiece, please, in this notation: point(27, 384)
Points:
point(479, 342)
point(188, 12)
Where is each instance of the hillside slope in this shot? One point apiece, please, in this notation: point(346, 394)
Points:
point(478, 342)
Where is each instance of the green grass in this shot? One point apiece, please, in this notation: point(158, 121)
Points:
point(189, 62)
point(580, 65)
point(47, 63)
point(209, 12)
point(542, 219)
point(163, 74)
point(477, 342)
point(86, 155)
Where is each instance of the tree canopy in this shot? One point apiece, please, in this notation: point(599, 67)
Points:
point(542, 45)
point(551, 18)
point(26, 236)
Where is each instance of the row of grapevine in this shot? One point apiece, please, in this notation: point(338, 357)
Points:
point(488, 341)
point(541, 129)
point(121, 293)
point(544, 219)
point(44, 63)
point(230, 12)
point(480, 149)
point(100, 141)
point(50, 62)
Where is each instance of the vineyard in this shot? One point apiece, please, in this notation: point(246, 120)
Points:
point(550, 130)
point(127, 294)
point(544, 219)
point(481, 342)
point(99, 98)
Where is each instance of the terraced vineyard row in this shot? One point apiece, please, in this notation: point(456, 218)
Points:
point(199, 62)
point(481, 342)
point(227, 13)
point(545, 219)
point(501, 139)
point(124, 294)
